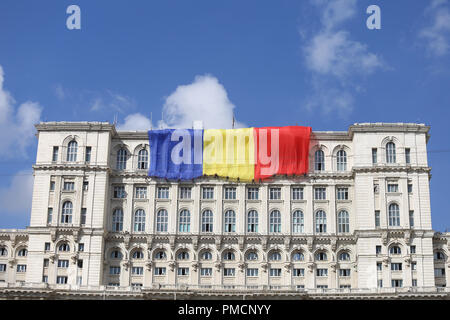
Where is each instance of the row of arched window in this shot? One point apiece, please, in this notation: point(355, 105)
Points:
point(229, 221)
point(122, 156)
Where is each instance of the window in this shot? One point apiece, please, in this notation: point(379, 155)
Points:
point(379, 266)
point(342, 193)
point(414, 282)
point(140, 193)
point(252, 193)
point(22, 253)
point(114, 270)
point(2, 267)
point(275, 272)
point(49, 215)
point(298, 222)
point(380, 283)
point(207, 193)
point(137, 270)
point(321, 272)
point(55, 154)
point(72, 149)
point(374, 156)
point(230, 193)
point(162, 193)
point(47, 246)
point(160, 271)
point(321, 256)
point(411, 218)
point(63, 263)
point(121, 161)
point(319, 160)
point(138, 254)
point(183, 271)
point(229, 255)
point(410, 188)
point(298, 256)
point(275, 256)
point(185, 192)
point(322, 286)
point(252, 272)
point(230, 221)
point(66, 214)
point(321, 222)
point(392, 187)
point(397, 283)
point(252, 221)
point(52, 185)
point(69, 186)
point(21, 268)
point(297, 193)
point(414, 266)
point(64, 247)
point(395, 250)
point(252, 256)
point(376, 188)
point(412, 249)
point(207, 255)
point(119, 192)
point(85, 185)
point(344, 256)
point(275, 193)
point(117, 220)
point(81, 247)
point(160, 255)
point(206, 272)
point(207, 221)
point(343, 222)
point(83, 216)
point(394, 215)
point(162, 220)
point(390, 152)
point(184, 224)
point(87, 157)
point(143, 159)
point(320, 193)
point(139, 220)
point(344, 272)
point(275, 221)
point(378, 250)
point(341, 159)
point(377, 218)
point(228, 272)
point(61, 280)
point(439, 272)
point(116, 254)
point(3, 251)
point(408, 156)
point(298, 272)
point(438, 255)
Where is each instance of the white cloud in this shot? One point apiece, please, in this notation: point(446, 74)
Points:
point(336, 12)
point(112, 101)
point(205, 99)
point(60, 92)
point(331, 101)
point(437, 34)
point(16, 126)
point(16, 198)
point(135, 121)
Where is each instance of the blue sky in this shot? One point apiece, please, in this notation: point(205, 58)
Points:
point(311, 62)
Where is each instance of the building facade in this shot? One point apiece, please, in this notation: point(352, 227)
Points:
point(359, 223)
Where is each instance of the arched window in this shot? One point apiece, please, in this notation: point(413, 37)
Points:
point(228, 255)
point(390, 152)
point(395, 250)
point(160, 255)
point(207, 221)
point(22, 253)
point(64, 247)
point(341, 159)
point(298, 256)
point(162, 220)
point(343, 222)
point(121, 163)
point(138, 254)
point(143, 159)
point(3, 251)
point(321, 256)
point(117, 220)
point(319, 160)
point(183, 255)
point(252, 221)
point(275, 221)
point(298, 222)
point(321, 221)
point(230, 221)
point(252, 256)
point(184, 223)
point(72, 149)
point(344, 256)
point(394, 215)
point(206, 255)
point(438, 255)
point(116, 254)
point(139, 220)
point(66, 214)
point(275, 256)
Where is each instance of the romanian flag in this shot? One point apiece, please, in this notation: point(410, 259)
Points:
point(239, 154)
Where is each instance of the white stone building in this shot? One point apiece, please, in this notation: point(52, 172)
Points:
point(358, 224)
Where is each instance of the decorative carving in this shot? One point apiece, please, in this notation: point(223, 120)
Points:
point(75, 234)
point(264, 266)
point(195, 242)
point(264, 243)
point(12, 262)
point(311, 266)
point(218, 266)
point(287, 243)
point(407, 261)
point(386, 261)
point(218, 242)
point(126, 239)
point(53, 258)
point(149, 265)
point(126, 264)
point(241, 242)
point(333, 244)
point(288, 266)
point(242, 266)
point(384, 237)
point(74, 258)
point(172, 265)
point(407, 237)
point(195, 266)
point(172, 242)
point(53, 234)
point(310, 242)
point(333, 267)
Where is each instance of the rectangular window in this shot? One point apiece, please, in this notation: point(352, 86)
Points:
point(252, 272)
point(206, 272)
point(69, 186)
point(410, 188)
point(46, 263)
point(397, 283)
point(183, 271)
point(414, 266)
point(185, 192)
point(83, 216)
point(275, 194)
point(297, 193)
point(408, 156)
point(119, 192)
point(411, 218)
point(320, 193)
point(79, 280)
point(114, 270)
point(61, 280)
point(140, 193)
point(344, 272)
point(45, 279)
point(379, 266)
point(137, 270)
point(85, 185)
point(228, 272)
point(414, 282)
point(396, 266)
point(63, 263)
point(439, 272)
point(55, 154)
point(252, 193)
point(2, 267)
point(392, 187)
point(80, 263)
point(342, 193)
point(52, 185)
point(160, 271)
point(321, 286)
point(162, 193)
point(374, 155)
point(378, 249)
point(88, 154)
point(376, 188)
point(380, 283)
point(377, 218)
point(208, 193)
point(230, 193)
point(47, 246)
point(49, 215)
point(321, 272)
point(21, 268)
point(345, 286)
point(298, 272)
point(275, 272)
point(412, 249)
